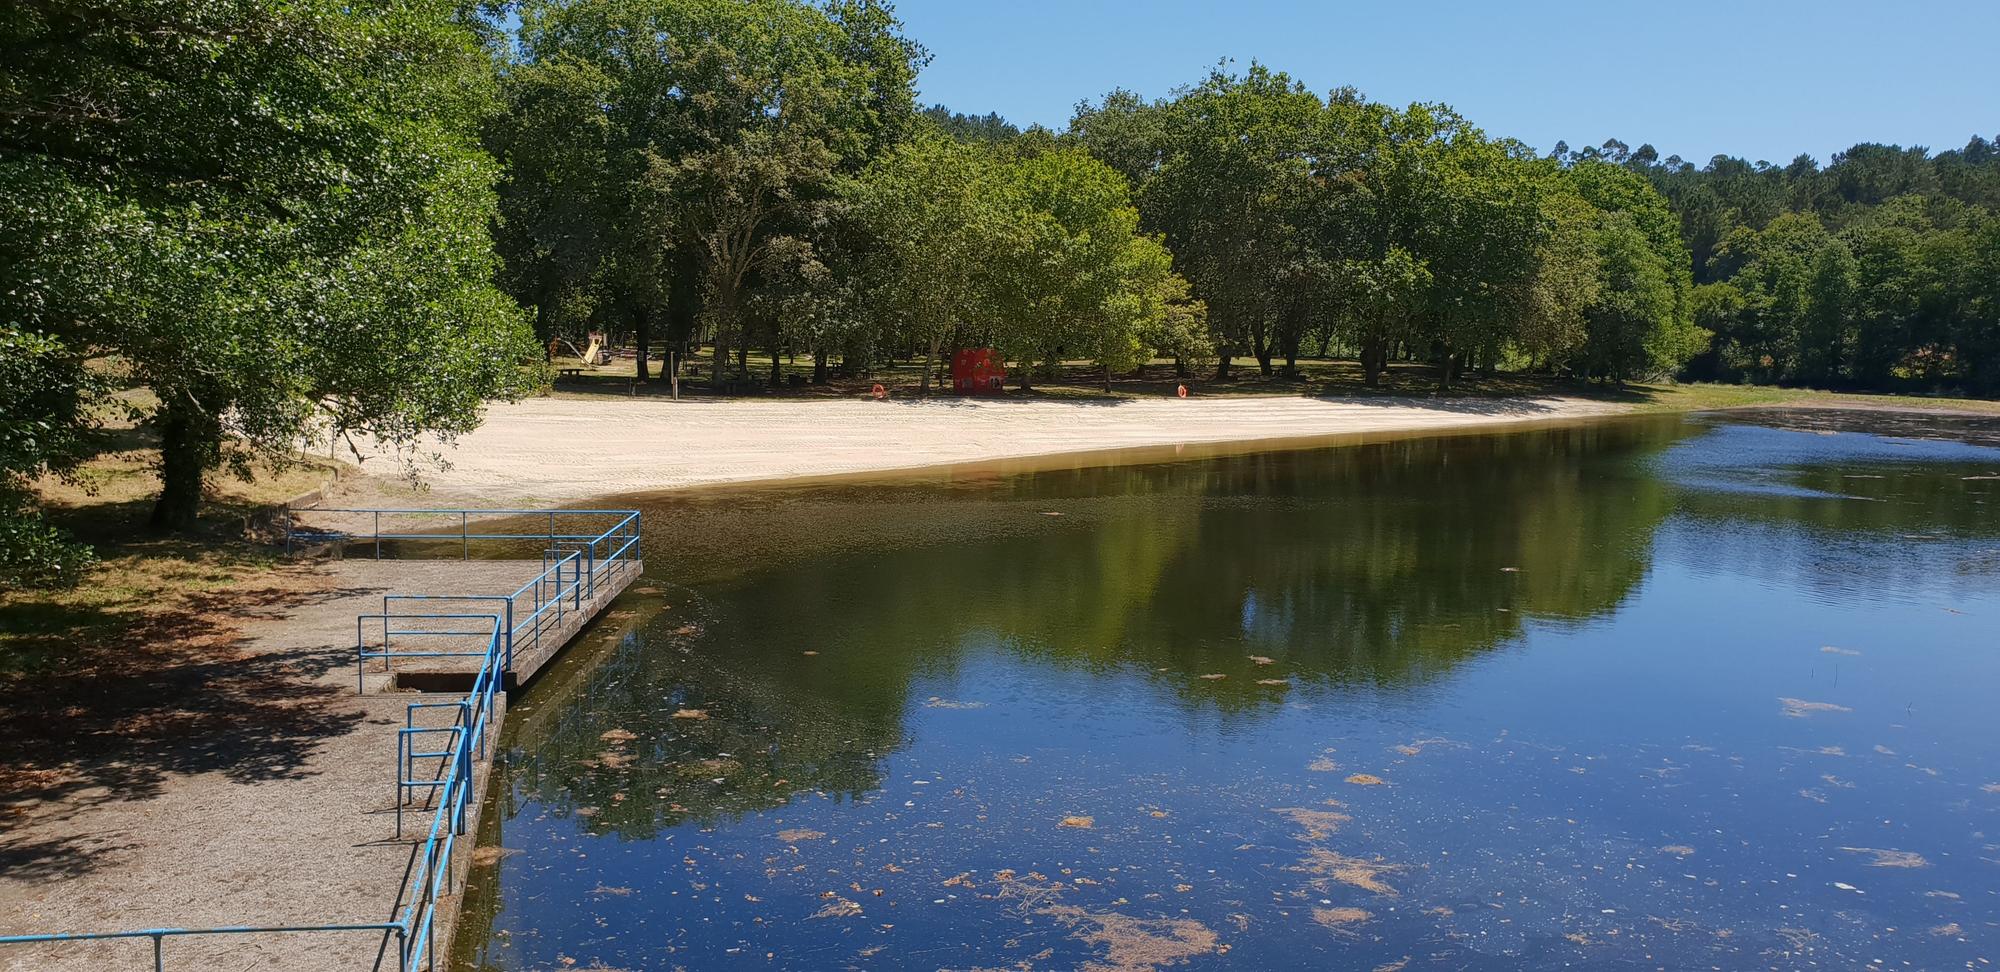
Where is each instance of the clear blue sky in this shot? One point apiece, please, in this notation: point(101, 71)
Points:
point(1763, 79)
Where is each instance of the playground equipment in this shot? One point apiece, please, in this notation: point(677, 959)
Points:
point(594, 355)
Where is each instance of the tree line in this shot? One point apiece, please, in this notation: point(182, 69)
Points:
point(250, 224)
point(1880, 270)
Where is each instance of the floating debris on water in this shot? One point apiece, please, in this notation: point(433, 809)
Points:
point(1326, 865)
point(1890, 858)
point(1800, 708)
point(839, 907)
point(1316, 823)
point(1135, 944)
point(938, 703)
point(1339, 918)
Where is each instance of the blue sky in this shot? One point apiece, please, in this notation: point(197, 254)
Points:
point(1763, 79)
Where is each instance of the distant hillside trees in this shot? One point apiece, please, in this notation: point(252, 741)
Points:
point(1876, 271)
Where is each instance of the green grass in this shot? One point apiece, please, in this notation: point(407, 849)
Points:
point(142, 575)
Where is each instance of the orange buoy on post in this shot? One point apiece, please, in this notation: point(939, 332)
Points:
point(879, 392)
point(1181, 390)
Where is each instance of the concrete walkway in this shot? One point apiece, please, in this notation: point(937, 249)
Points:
point(284, 818)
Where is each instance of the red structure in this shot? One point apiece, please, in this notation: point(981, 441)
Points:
point(977, 371)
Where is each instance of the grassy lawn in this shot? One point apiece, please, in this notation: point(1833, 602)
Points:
point(143, 575)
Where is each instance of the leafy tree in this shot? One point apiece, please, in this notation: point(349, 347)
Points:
point(987, 129)
point(1390, 296)
point(1073, 275)
point(45, 428)
point(1233, 173)
point(930, 206)
point(735, 124)
point(274, 213)
point(1635, 302)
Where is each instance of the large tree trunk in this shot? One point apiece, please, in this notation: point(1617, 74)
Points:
point(683, 297)
point(1261, 347)
point(819, 366)
point(190, 444)
point(642, 328)
point(1374, 358)
point(721, 365)
point(930, 362)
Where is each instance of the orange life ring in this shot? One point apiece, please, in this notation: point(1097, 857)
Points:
point(879, 392)
point(1181, 391)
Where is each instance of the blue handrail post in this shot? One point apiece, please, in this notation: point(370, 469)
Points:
point(464, 541)
point(378, 534)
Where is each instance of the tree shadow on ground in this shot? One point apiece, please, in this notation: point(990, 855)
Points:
point(128, 700)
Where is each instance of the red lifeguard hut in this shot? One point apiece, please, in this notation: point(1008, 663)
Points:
point(977, 371)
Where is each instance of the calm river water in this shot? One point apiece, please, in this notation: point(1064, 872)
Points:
point(1654, 693)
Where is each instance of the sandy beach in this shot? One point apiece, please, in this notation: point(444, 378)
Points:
point(566, 450)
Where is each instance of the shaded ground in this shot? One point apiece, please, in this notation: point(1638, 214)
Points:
point(1315, 377)
point(210, 764)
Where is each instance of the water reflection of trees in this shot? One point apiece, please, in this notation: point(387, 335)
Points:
point(1845, 515)
point(1387, 563)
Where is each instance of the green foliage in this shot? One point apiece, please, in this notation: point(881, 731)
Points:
point(1865, 272)
point(987, 129)
point(274, 214)
point(1635, 302)
point(716, 137)
point(45, 429)
point(934, 219)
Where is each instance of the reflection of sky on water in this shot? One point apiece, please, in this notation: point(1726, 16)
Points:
point(1506, 702)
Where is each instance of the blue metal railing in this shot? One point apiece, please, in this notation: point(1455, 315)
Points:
point(573, 565)
point(624, 532)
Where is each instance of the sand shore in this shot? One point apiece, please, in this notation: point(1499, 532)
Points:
point(566, 450)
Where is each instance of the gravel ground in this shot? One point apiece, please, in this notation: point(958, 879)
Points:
point(261, 821)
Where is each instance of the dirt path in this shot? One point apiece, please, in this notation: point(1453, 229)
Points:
point(552, 451)
point(233, 777)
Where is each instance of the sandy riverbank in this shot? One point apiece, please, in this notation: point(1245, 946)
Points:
point(556, 451)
